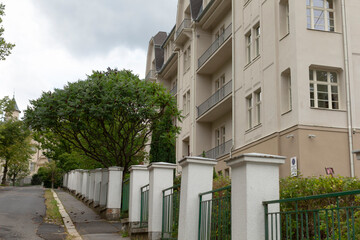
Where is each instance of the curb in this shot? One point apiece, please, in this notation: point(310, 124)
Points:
point(69, 225)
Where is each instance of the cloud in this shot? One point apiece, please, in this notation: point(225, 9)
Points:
point(90, 27)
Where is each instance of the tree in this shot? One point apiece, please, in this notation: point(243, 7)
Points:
point(108, 116)
point(162, 141)
point(5, 48)
point(13, 143)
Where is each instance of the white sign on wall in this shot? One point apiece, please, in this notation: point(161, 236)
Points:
point(293, 167)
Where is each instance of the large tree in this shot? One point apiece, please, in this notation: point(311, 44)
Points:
point(5, 47)
point(108, 116)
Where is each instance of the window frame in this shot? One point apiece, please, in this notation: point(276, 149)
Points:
point(249, 110)
point(258, 101)
point(325, 11)
point(314, 84)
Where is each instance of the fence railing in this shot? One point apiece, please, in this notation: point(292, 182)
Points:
point(182, 26)
point(125, 197)
point(215, 98)
point(219, 151)
point(327, 216)
point(173, 91)
point(170, 215)
point(150, 74)
point(215, 214)
point(215, 46)
point(144, 210)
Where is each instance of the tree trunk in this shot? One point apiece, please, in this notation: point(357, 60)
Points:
point(3, 180)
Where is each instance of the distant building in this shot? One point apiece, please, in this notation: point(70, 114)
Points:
point(278, 76)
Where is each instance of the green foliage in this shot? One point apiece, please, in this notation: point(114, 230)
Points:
point(50, 175)
point(107, 117)
point(163, 140)
point(36, 179)
point(5, 47)
point(329, 217)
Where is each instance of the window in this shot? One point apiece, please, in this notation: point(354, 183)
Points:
point(219, 83)
point(252, 48)
point(284, 18)
point(248, 47)
point(220, 136)
point(187, 58)
point(186, 103)
point(324, 89)
point(286, 95)
point(258, 106)
point(257, 41)
point(320, 15)
point(249, 108)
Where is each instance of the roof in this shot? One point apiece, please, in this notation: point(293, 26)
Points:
point(16, 106)
point(159, 38)
point(196, 7)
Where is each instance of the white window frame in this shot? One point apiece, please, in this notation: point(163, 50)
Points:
point(258, 99)
point(257, 33)
point(314, 84)
point(248, 38)
point(310, 8)
point(249, 111)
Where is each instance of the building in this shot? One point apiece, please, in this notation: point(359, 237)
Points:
point(271, 76)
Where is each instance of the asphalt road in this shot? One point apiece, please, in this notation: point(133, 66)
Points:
point(21, 212)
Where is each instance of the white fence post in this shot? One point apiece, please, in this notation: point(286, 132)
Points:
point(91, 186)
point(98, 174)
point(104, 187)
point(85, 179)
point(78, 174)
point(254, 179)
point(113, 204)
point(161, 176)
point(65, 180)
point(197, 177)
point(139, 176)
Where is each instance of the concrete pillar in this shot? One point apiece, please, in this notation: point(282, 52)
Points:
point(79, 175)
point(104, 187)
point(113, 204)
point(91, 185)
point(65, 180)
point(98, 174)
point(161, 176)
point(139, 177)
point(87, 191)
point(85, 179)
point(196, 178)
point(70, 180)
point(254, 179)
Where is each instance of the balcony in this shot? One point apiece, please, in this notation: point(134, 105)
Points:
point(150, 75)
point(182, 31)
point(220, 150)
point(214, 99)
point(219, 51)
point(173, 91)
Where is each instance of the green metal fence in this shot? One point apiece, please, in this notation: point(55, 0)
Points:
point(215, 215)
point(125, 197)
point(144, 212)
point(327, 216)
point(170, 216)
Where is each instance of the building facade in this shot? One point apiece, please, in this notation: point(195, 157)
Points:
point(270, 76)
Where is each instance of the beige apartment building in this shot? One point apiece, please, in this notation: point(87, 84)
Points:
point(270, 76)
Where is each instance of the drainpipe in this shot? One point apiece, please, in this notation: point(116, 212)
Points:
point(233, 77)
point(347, 83)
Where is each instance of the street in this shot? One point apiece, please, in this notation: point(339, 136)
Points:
point(21, 212)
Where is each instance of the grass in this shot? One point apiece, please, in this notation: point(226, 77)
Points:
point(52, 211)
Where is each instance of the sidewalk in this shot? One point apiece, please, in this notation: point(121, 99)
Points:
point(88, 223)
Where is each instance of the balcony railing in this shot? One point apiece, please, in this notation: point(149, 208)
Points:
point(151, 74)
point(220, 150)
point(173, 91)
point(215, 46)
point(215, 98)
point(184, 24)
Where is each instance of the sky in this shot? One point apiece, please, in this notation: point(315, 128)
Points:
point(61, 41)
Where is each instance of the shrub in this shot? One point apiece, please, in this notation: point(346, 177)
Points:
point(36, 179)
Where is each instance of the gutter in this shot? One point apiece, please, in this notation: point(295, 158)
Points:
point(347, 85)
point(233, 77)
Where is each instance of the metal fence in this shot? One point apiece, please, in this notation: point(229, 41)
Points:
point(215, 98)
point(327, 216)
point(144, 210)
point(215, 215)
point(185, 24)
point(125, 197)
point(170, 216)
point(215, 46)
point(220, 150)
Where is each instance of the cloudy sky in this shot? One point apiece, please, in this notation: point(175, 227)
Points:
point(60, 41)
